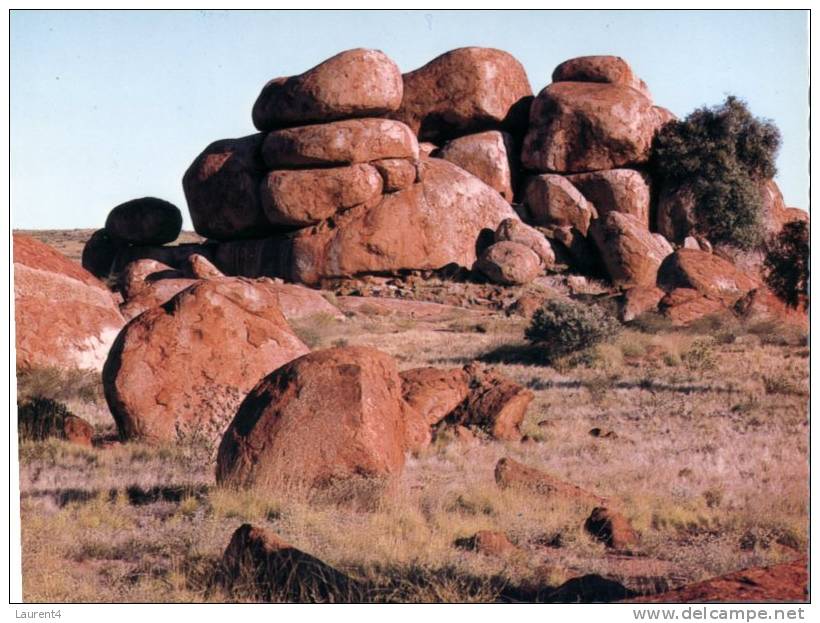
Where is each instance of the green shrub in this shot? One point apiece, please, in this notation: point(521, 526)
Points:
point(566, 327)
point(722, 154)
point(787, 264)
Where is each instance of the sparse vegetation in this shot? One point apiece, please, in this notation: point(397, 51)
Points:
point(721, 154)
point(787, 264)
point(564, 327)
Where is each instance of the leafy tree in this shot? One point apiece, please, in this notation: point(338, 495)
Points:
point(787, 264)
point(722, 153)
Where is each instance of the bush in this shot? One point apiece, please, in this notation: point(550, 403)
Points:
point(787, 264)
point(567, 327)
point(41, 418)
point(722, 154)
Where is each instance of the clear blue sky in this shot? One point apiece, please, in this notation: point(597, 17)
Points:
point(108, 106)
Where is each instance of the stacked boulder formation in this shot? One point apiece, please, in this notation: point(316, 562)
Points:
point(359, 170)
point(335, 184)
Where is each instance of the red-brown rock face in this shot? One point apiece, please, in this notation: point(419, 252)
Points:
point(707, 273)
point(631, 254)
point(607, 69)
point(465, 91)
point(434, 392)
point(329, 415)
point(586, 126)
point(488, 156)
point(298, 198)
point(639, 300)
point(509, 263)
point(354, 83)
point(181, 369)
point(425, 226)
point(339, 143)
point(63, 316)
point(684, 305)
point(222, 189)
point(616, 190)
point(553, 201)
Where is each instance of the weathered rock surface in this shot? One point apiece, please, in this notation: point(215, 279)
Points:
point(425, 226)
point(354, 83)
point(606, 69)
point(278, 571)
point(514, 230)
point(611, 528)
point(616, 190)
point(488, 156)
point(585, 126)
point(222, 189)
point(762, 304)
point(140, 274)
point(552, 200)
point(433, 392)
point(339, 143)
point(640, 300)
point(144, 221)
point(707, 273)
point(510, 473)
point(397, 173)
point(630, 253)
point(509, 263)
point(329, 415)
point(495, 404)
point(299, 198)
point(465, 91)
point(200, 267)
point(786, 582)
point(685, 305)
point(181, 370)
point(153, 294)
point(64, 317)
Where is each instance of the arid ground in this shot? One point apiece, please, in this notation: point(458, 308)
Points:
point(700, 434)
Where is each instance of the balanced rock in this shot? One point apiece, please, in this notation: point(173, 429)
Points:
point(488, 156)
point(329, 415)
point(616, 190)
point(277, 571)
point(586, 126)
point(222, 189)
point(630, 253)
point(707, 273)
point(606, 69)
point(63, 316)
point(339, 143)
point(180, 370)
point(144, 221)
point(553, 201)
point(354, 83)
point(425, 226)
point(299, 198)
point(514, 230)
point(99, 253)
point(509, 263)
point(464, 91)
